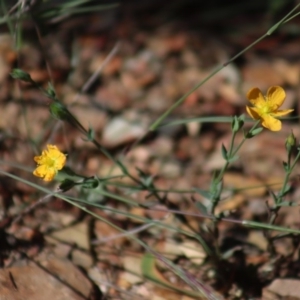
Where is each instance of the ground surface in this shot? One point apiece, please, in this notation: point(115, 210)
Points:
point(156, 55)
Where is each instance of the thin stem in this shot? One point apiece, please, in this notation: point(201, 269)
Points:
point(219, 68)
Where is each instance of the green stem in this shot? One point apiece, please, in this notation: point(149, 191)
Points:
point(216, 191)
point(280, 197)
point(219, 68)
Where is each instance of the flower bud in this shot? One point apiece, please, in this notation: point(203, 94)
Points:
point(290, 141)
point(20, 74)
point(59, 111)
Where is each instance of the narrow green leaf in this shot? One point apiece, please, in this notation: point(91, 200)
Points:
point(224, 152)
point(150, 272)
point(269, 227)
point(233, 159)
point(286, 166)
point(205, 194)
point(288, 203)
point(201, 207)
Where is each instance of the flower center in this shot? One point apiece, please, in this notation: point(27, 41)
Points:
point(265, 108)
point(50, 162)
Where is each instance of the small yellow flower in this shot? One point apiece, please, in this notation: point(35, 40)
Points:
point(51, 161)
point(266, 107)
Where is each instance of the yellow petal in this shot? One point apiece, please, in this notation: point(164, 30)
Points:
point(252, 111)
point(49, 175)
point(53, 150)
point(37, 159)
point(51, 147)
point(275, 96)
point(40, 171)
point(280, 113)
point(271, 123)
point(41, 159)
point(256, 97)
point(60, 161)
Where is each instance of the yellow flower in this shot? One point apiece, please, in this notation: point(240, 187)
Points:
point(266, 107)
point(51, 161)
